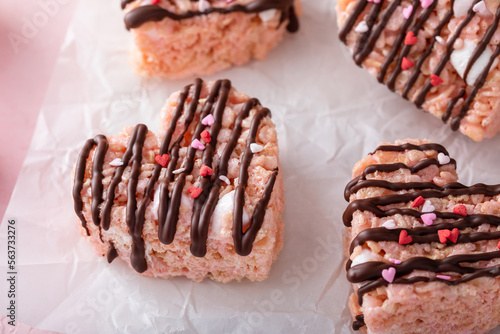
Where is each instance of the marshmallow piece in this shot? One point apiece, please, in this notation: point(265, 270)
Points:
point(460, 58)
point(267, 15)
point(461, 7)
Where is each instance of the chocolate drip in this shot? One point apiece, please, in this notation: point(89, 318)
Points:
point(117, 178)
point(450, 189)
point(406, 48)
point(480, 81)
point(375, 33)
point(371, 271)
point(420, 62)
point(351, 20)
point(97, 166)
point(482, 45)
point(407, 146)
point(112, 253)
point(451, 105)
point(360, 181)
point(398, 43)
point(199, 228)
point(370, 21)
point(357, 274)
point(243, 240)
point(137, 258)
point(367, 40)
point(168, 209)
point(444, 60)
point(358, 322)
point(421, 235)
point(142, 14)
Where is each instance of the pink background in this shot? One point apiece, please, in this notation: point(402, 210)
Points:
point(24, 76)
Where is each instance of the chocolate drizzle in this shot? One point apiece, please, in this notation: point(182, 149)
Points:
point(169, 202)
point(147, 13)
point(369, 273)
point(366, 41)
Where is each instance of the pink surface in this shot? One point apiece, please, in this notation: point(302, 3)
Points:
point(31, 33)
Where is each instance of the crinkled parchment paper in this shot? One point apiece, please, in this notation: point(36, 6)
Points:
point(329, 114)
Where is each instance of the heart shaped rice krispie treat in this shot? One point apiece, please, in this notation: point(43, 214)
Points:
point(440, 54)
point(203, 199)
point(423, 250)
point(180, 38)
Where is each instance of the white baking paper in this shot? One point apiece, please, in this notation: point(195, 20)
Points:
point(329, 114)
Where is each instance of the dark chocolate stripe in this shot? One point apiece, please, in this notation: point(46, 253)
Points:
point(371, 204)
point(117, 178)
point(451, 105)
point(483, 44)
point(407, 146)
point(81, 165)
point(398, 43)
point(199, 231)
point(444, 60)
point(429, 234)
point(370, 21)
point(243, 241)
point(480, 81)
point(420, 62)
point(351, 20)
point(137, 258)
point(406, 48)
point(375, 33)
point(142, 14)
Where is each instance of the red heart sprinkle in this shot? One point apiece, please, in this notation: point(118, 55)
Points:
point(410, 38)
point(162, 159)
point(443, 235)
point(435, 80)
point(498, 245)
point(460, 210)
point(454, 235)
point(155, 2)
point(205, 170)
point(205, 135)
point(418, 202)
point(404, 238)
point(406, 64)
point(194, 191)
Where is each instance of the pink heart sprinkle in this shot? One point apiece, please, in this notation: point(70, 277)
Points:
point(197, 145)
point(376, 1)
point(426, 3)
point(389, 274)
point(395, 261)
point(447, 278)
point(428, 218)
point(208, 120)
point(407, 11)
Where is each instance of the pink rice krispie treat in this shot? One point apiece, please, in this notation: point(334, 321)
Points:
point(204, 199)
point(440, 54)
point(180, 38)
point(423, 249)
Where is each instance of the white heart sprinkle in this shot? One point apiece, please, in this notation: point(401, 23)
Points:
point(389, 224)
point(117, 162)
point(440, 40)
point(178, 171)
point(361, 27)
point(428, 207)
point(480, 8)
point(443, 159)
point(225, 179)
point(256, 148)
